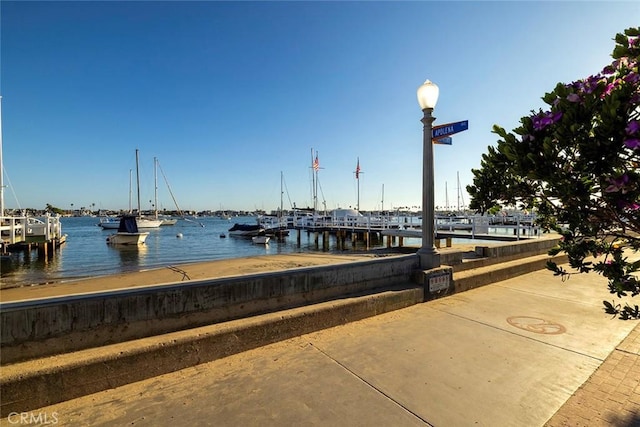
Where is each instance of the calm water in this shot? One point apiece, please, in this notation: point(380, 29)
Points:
point(86, 252)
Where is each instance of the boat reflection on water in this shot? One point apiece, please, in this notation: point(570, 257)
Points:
point(131, 256)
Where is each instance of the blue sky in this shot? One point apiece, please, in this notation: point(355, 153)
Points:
point(228, 94)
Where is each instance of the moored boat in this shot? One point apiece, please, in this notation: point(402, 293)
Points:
point(246, 230)
point(168, 221)
point(128, 233)
point(110, 223)
point(148, 222)
point(261, 240)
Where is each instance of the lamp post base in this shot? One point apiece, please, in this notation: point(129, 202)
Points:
point(429, 258)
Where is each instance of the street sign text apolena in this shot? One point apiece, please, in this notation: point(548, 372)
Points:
point(449, 129)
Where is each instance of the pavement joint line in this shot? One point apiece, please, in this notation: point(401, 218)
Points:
point(346, 368)
point(522, 336)
point(632, 353)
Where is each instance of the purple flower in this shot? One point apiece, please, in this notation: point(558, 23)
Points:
point(609, 88)
point(573, 97)
point(632, 78)
point(623, 204)
point(617, 184)
point(632, 127)
point(543, 120)
point(633, 143)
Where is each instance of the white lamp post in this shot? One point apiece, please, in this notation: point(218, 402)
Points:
point(427, 98)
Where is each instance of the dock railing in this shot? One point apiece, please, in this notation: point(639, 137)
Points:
point(24, 229)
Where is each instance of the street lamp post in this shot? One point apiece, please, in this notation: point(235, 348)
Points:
point(427, 98)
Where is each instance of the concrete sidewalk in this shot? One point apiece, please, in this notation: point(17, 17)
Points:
point(508, 354)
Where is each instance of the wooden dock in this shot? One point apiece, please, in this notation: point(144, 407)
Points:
point(23, 233)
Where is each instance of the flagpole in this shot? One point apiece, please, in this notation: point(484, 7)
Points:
point(1, 166)
point(358, 179)
point(313, 184)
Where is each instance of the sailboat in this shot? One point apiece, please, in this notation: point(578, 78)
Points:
point(281, 231)
point(142, 222)
point(277, 226)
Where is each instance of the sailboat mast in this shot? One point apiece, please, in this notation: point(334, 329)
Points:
point(358, 194)
point(458, 174)
point(155, 182)
point(166, 181)
point(130, 189)
point(1, 166)
point(138, 180)
point(446, 196)
point(358, 179)
point(382, 208)
point(281, 192)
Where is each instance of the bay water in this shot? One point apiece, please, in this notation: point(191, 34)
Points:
point(86, 253)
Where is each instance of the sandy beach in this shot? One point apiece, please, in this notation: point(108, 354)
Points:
point(178, 273)
point(199, 271)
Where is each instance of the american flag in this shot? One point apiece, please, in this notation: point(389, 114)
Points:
point(316, 164)
point(358, 169)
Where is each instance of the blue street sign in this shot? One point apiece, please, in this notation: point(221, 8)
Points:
point(446, 140)
point(449, 129)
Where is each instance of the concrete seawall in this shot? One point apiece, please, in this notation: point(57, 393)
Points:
point(42, 382)
point(57, 349)
point(38, 328)
point(44, 327)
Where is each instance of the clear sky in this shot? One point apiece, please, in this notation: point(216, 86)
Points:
point(227, 95)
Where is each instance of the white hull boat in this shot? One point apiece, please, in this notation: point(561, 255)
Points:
point(128, 233)
point(260, 240)
point(128, 238)
point(148, 223)
point(114, 223)
point(109, 223)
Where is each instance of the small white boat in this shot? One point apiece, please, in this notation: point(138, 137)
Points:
point(168, 221)
point(109, 222)
point(128, 233)
point(261, 240)
point(148, 222)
